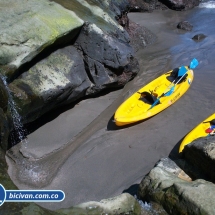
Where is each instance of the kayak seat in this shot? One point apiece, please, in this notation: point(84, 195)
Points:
point(148, 98)
point(212, 122)
point(174, 76)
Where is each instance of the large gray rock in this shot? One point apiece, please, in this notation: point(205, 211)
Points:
point(58, 79)
point(122, 204)
point(59, 75)
point(68, 74)
point(164, 185)
point(100, 13)
point(28, 27)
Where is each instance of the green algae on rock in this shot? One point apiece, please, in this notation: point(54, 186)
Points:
point(99, 13)
point(26, 31)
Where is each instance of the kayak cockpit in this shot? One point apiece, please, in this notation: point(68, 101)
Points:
point(148, 97)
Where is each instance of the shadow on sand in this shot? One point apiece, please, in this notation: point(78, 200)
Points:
point(174, 154)
point(111, 125)
point(133, 189)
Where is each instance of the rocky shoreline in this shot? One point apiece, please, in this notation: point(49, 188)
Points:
point(74, 51)
point(183, 185)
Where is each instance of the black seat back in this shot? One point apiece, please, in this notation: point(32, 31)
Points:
point(148, 98)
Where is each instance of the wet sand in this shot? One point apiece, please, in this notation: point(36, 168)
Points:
point(107, 160)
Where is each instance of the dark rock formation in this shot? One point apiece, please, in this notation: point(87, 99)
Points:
point(201, 154)
point(199, 37)
point(140, 36)
point(180, 4)
point(109, 62)
point(185, 25)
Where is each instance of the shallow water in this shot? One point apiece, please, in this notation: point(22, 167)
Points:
point(109, 161)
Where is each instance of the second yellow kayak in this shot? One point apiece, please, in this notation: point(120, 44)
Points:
point(201, 130)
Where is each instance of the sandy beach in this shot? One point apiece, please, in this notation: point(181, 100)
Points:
point(105, 160)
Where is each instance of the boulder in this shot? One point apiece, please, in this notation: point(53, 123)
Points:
point(122, 204)
point(185, 25)
point(58, 79)
point(178, 195)
point(109, 61)
point(101, 13)
point(27, 31)
point(201, 155)
point(198, 37)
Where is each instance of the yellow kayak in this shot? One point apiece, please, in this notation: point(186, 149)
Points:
point(155, 96)
point(201, 130)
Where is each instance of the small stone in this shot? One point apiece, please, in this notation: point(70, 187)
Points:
point(185, 25)
point(199, 37)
